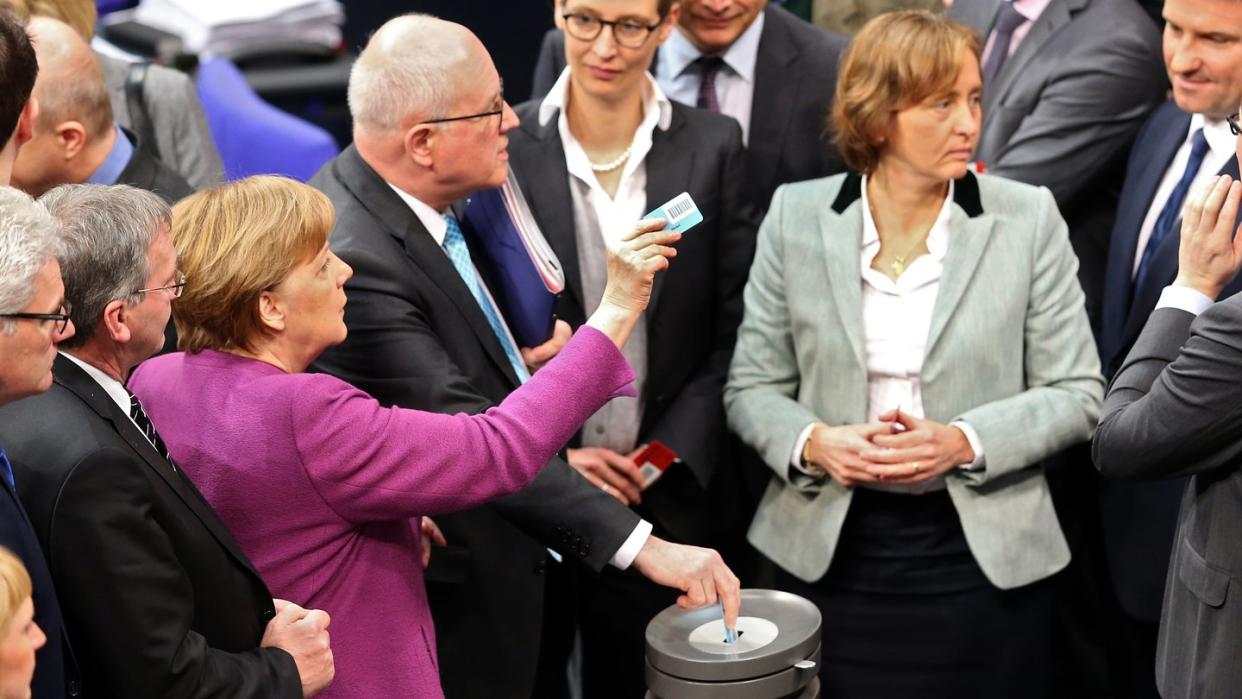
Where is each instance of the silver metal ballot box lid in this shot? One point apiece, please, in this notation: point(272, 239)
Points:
point(776, 655)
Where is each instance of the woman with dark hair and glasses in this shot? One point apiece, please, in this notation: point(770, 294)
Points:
point(601, 150)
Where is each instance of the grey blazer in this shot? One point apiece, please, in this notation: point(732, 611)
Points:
point(1173, 410)
point(1065, 109)
point(1009, 352)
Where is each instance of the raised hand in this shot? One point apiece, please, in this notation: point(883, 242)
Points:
point(1209, 254)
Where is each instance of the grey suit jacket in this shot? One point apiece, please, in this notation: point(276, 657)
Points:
point(1065, 109)
point(1173, 410)
point(1009, 352)
point(182, 138)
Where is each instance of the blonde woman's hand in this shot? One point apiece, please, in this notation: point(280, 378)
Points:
point(633, 262)
point(837, 451)
point(922, 450)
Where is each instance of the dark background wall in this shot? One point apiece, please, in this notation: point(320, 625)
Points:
point(511, 30)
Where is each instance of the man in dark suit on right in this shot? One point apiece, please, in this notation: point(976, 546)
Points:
point(1184, 143)
point(754, 61)
point(424, 333)
point(1173, 410)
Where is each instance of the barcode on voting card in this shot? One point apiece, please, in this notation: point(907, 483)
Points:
point(682, 206)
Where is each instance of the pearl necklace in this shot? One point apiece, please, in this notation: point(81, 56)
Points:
point(612, 164)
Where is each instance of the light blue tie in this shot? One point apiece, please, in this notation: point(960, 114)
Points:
point(459, 255)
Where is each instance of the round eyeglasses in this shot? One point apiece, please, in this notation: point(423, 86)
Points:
point(630, 33)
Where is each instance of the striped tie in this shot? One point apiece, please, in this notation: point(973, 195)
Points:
point(139, 416)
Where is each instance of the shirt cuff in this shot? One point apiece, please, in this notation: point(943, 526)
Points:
point(795, 459)
point(975, 446)
point(1183, 297)
point(633, 544)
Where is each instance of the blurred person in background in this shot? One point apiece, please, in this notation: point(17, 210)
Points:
point(20, 636)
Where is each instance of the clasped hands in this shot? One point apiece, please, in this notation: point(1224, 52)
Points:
point(900, 448)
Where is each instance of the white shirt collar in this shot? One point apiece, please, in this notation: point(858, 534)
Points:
point(678, 53)
point(1219, 138)
point(937, 237)
point(653, 99)
point(431, 219)
point(111, 386)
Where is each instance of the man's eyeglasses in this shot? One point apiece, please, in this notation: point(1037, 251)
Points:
point(497, 108)
point(1234, 128)
point(174, 289)
point(630, 33)
point(61, 319)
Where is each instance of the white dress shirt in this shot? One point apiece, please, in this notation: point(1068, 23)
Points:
point(1221, 144)
point(435, 224)
point(735, 83)
point(111, 386)
point(896, 320)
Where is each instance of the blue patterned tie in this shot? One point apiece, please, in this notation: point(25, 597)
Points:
point(1172, 211)
point(459, 254)
point(6, 469)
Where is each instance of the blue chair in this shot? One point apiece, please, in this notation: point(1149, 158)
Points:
point(253, 137)
point(103, 7)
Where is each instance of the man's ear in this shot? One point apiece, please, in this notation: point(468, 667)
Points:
point(670, 21)
point(558, 8)
point(271, 311)
point(70, 138)
point(26, 121)
point(420, 142)
point(115, 320)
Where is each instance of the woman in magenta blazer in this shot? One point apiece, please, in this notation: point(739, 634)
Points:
point(323, 486)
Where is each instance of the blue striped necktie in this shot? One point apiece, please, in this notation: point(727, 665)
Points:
point(459, 255)
point(1172, 211)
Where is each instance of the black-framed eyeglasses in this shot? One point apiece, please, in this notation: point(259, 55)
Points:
point(497, 108)
point(174, 289)
point(1234, 127)
point(61, 318)
point(630, 33)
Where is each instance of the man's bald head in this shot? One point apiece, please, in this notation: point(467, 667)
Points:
point(71, 84)
point(413, 68)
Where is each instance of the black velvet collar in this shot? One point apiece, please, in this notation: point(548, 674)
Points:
point(965, 194)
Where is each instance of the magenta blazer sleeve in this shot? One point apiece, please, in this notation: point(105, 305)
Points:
point(372, 463)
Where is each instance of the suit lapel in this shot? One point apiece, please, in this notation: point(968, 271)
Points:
point(1056, 15)
point(971, 230)
point(540, 168)
point(841, 232)
point(73, 379)
point(775, 97)
point(669, 171)
point(374, 194)
point(1161, 272)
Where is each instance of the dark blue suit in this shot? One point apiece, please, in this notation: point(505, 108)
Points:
point(1139, 517)
point(18, 536)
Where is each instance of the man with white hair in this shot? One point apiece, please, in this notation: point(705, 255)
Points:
point(33, 319)
point(75, 138)
point(160, 600)
point(430, 121)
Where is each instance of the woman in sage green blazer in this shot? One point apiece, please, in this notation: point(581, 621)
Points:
point(914, 344)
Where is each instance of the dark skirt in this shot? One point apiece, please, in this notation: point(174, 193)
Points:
point(908, 613)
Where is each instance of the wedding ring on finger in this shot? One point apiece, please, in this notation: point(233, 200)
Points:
point(914, 467)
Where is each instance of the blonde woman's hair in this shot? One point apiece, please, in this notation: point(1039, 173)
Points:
point(897, 60)
point(79, 14)
point(234, 242)
point(15, 588)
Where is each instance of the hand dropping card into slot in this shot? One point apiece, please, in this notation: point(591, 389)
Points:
point(653, 461)
point(680, 212)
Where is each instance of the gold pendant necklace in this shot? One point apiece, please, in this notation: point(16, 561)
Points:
point(898, 265)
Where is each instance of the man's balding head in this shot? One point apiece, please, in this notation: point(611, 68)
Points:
point(413, 68)
point(71, 84)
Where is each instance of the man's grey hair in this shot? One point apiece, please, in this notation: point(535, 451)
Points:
point(29, 238)
point(404, 70)
point(107, 232)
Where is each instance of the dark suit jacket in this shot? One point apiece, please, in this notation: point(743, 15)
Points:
point(795, 77)
point(145, 171)
point(696, 305)
point(418, 339)
point(158, 597)
point(1139, 517)
point(55, 674)
point(1065, 108)
point(1173, 410)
